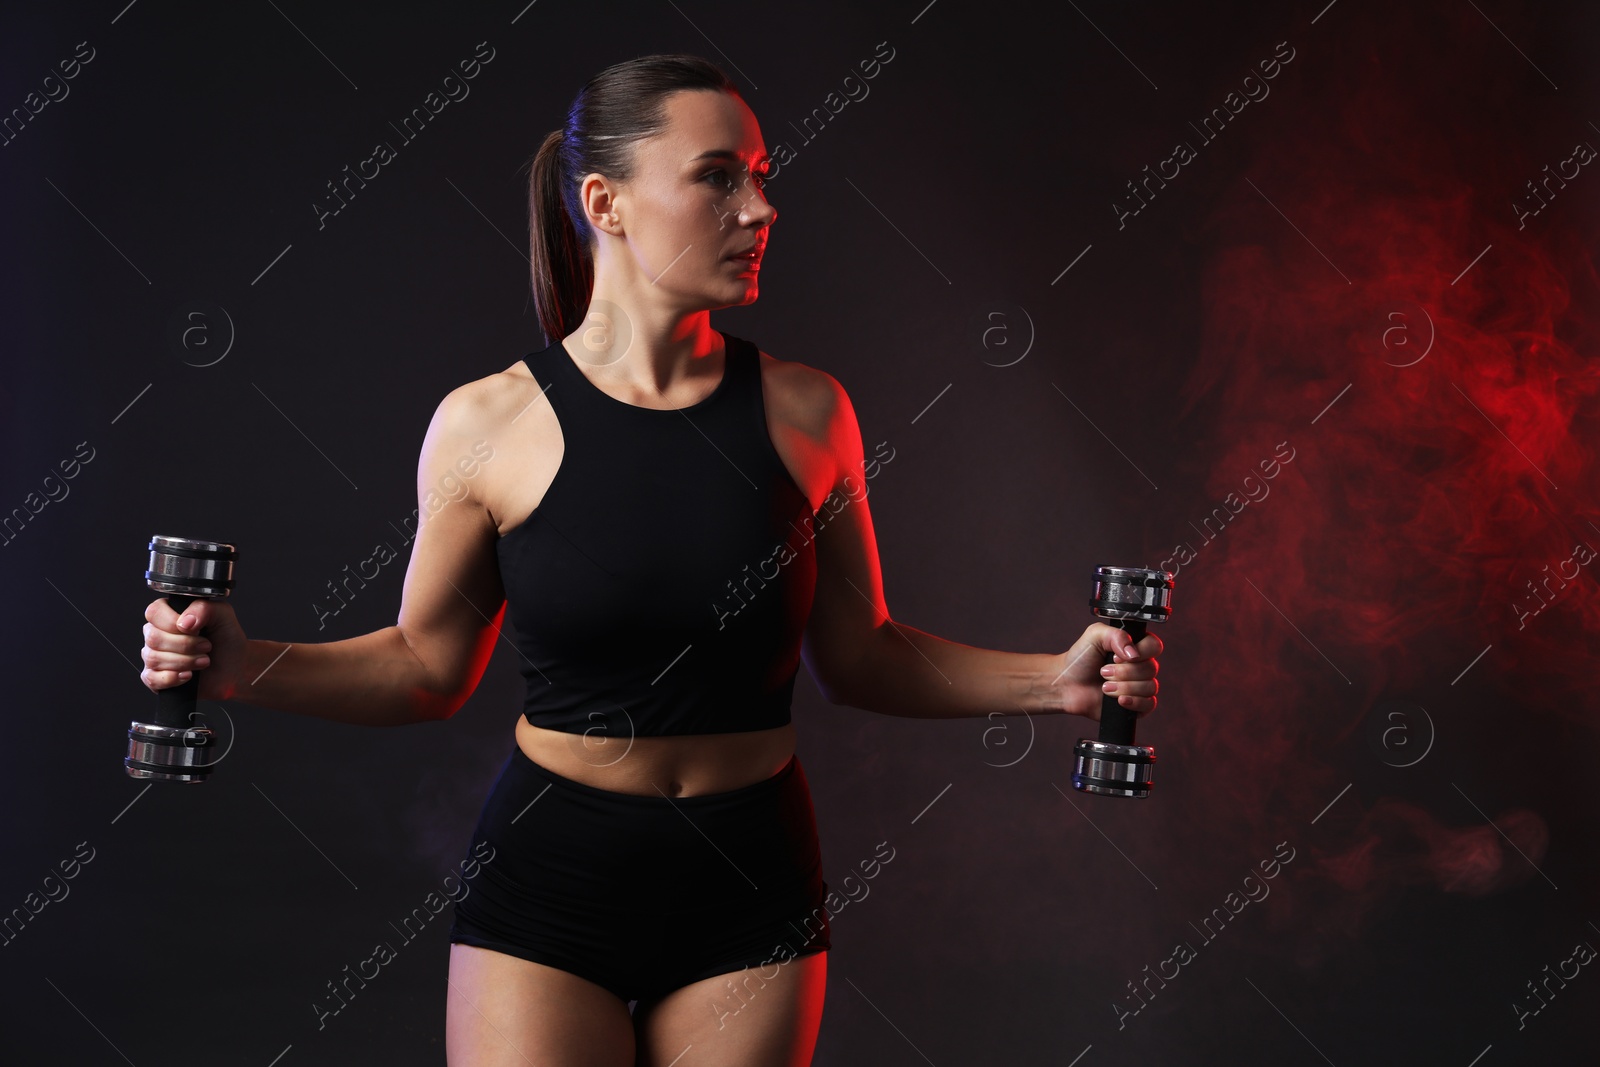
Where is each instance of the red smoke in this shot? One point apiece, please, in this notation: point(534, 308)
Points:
point(1403, 538)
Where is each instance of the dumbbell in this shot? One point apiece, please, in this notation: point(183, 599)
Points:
point(1113, 766)
point(171, 748)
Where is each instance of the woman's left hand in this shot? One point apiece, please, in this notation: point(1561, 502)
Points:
point(1078, 686)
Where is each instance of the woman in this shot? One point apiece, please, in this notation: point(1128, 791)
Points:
point(648, 515)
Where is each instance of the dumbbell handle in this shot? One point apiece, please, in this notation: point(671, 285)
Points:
point(1116, 721)
point(175, 704)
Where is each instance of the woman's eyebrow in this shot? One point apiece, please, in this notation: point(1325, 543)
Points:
point(725, 153)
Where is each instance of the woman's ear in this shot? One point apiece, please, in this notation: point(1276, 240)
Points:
point(600, 204)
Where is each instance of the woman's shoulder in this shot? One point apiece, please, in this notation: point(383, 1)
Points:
point(500, 392)
point(800, 393)
point(491, 403)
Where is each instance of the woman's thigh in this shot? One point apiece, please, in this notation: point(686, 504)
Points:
point(504, 1011)
point(748, 1018)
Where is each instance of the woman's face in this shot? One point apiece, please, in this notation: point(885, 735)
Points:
point(695, 202)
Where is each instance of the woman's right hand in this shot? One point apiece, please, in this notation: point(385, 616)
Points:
point(210, 642)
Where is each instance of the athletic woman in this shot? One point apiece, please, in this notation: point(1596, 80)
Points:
point(674, 520)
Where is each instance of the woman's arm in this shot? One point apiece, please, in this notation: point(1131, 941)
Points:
point(906, 671)
point(375, 679)
point(426, 665)
point(862, 658)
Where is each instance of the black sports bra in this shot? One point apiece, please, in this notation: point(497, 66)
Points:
point(662, 585)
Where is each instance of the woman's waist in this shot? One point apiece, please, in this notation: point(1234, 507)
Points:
point(673, 766)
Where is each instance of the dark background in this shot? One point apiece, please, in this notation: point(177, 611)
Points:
point(1351, 668)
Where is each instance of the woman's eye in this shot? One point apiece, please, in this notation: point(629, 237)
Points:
point(721, 177)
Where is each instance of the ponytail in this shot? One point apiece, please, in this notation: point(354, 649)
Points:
point(562, 264)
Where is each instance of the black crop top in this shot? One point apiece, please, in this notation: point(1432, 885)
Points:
point(662, 585)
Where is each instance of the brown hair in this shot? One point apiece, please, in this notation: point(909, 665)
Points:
point(620, 106)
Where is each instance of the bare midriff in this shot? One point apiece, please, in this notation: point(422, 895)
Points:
point(682, 765)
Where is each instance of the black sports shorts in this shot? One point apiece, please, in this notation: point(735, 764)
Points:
point(644, 894)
